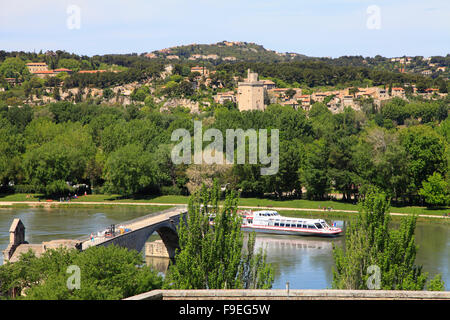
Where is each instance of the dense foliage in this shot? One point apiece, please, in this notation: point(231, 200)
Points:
point(400, 145)
point(213, 258)
point(106, 273)
point(127, 150)
point(372, 246)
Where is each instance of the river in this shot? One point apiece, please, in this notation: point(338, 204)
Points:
point(306, 262)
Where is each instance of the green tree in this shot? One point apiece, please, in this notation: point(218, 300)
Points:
point(108, 93)
point(286, 180)
point(290, 93)
point(379, 159)
point(353, 91)
point(13, 68)
point(11, 147)
point(370, 242)
point(56, 94)
point(107, 273)
point(435, 190)
point(56, 154)
point(421, 85)
point(314, 174)
point(212, 257)
point(130, 170)
point(443, 87)
point(69, 63)
point(139, 94)
point(426, 154)
point(395, 110)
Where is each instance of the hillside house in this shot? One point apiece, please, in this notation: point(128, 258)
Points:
point(35, 67)
point(398, 92)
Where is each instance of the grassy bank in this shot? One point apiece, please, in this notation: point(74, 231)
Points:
point(343, 215)
point(251, 202)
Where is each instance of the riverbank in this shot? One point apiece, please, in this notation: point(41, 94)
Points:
point(80, 204)
point(288, 207)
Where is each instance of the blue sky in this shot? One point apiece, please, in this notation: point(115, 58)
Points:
point(315, 27)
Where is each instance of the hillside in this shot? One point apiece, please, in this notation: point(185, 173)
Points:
point(225, 51)
point(236, 51)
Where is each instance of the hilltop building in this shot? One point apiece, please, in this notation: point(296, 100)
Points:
point(35, 67)
point(40, 69)
point(202, 70)
point(251, 93)
point(221, 97)
point(44, 73)
point(269, 84)
point(68, 71)
point(91, 71)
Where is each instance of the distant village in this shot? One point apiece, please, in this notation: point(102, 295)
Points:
point(250, 93)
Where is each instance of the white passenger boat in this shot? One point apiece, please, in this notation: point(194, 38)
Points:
point(269, 221)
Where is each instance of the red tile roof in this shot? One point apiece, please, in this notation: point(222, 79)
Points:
point(91, 71)
point(62, 70)
point(44, 71)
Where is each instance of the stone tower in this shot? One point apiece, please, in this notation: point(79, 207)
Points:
point(251, 93)
point(16, 238)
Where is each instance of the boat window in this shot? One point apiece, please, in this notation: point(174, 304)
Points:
point(299, 225)
point(311, 226)
point(288, 224)
point(277, 224)
point(319, 226)
point(282, 224)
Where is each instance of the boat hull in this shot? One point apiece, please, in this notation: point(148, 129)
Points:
point(286, 231)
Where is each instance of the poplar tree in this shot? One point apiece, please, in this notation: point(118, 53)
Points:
point(213, 257)
point(371, 244)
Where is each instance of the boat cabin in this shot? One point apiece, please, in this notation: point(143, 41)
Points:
point(273, 218)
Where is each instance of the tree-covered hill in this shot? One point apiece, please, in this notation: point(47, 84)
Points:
point(228, 51)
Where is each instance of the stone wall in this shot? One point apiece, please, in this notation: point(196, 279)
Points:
point(156, 248)
point(296, 294)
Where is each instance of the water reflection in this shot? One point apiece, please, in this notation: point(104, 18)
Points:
point(274, 244)
point(305, 262)
point(159, 264)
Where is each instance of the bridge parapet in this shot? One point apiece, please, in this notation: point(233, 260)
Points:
point(164, 223)
point(292, 294)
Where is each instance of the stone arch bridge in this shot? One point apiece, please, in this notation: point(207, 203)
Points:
point(165, 223)
point(131, 234)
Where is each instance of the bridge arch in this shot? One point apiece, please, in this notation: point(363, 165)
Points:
point(164, 223)
point(170, 239)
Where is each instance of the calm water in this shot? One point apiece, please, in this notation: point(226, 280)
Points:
point(305, 262)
